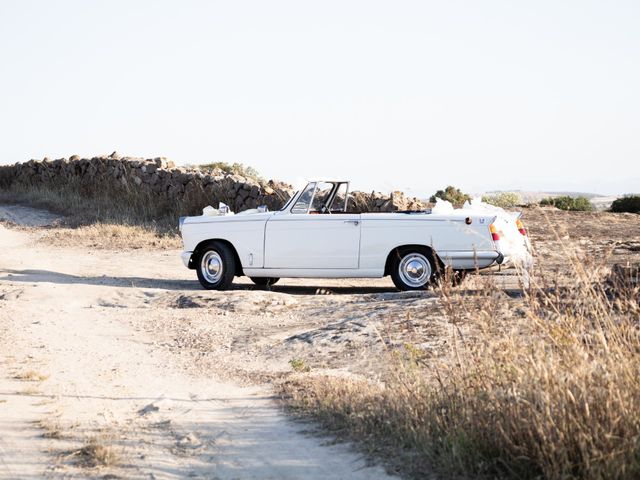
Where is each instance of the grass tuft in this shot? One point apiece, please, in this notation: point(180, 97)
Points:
point(50, 429)
point(29, 391)
point(95, 454)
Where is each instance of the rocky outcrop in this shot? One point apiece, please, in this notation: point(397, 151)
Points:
point(161, 179)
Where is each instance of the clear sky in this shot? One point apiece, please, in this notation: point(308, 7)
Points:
point(414, 95)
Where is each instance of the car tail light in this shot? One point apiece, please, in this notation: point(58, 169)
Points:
point(494, 233)
point(521, 228)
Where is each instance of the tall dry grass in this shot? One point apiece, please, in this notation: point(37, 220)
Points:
point(108, 217)
point(107, 204)
point(544, 386)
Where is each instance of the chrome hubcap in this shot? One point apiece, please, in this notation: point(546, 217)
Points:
point(415, 270)
point(211, 266)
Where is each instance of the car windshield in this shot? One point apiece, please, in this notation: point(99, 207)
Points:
point(304, 200)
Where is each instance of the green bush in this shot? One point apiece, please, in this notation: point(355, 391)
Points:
point(628, 203)
point(451, 194)
point(504, 199)
point(574, 204)
point(232, 168)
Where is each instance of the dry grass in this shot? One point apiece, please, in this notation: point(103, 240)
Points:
point(50, 429)
point(544, 386)
point(106, 219)
point(31, 376)
point(110, 236)
point(94, 454)
point(108, 205)
point(30, 391)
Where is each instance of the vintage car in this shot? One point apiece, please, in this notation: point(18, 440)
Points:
point(316, 235)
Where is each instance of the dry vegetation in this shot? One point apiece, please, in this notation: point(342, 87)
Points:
point(95, 220)
point(30, 391)
point(117, 206)
point(543, 386)
point(50, 429)
point(94, 454)
point(32, 376)
point(110, 236)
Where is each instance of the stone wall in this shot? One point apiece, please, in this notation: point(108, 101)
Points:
point(378, 202)
point(160, 178)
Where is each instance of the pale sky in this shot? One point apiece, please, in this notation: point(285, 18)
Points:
point(413, 95)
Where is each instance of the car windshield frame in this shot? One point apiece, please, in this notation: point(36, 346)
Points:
point(308, 187)
point(334, 190)
point(288, 202)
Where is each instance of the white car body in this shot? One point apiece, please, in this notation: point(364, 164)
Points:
point(295, 242)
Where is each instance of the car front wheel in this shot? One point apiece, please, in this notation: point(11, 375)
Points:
point(413, 269)
point(216, 266)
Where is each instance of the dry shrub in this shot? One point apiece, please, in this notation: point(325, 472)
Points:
point(544, 386)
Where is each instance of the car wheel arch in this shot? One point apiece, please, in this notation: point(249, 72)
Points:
point(400, 249)
point(201, 246)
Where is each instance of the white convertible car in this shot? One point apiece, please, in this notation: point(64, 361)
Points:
point(316, 236)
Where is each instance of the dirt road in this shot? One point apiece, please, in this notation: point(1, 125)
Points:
point(112, 353)
point(87, 374)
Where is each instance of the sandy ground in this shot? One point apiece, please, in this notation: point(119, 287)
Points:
point(89, 355)
point(123, 348)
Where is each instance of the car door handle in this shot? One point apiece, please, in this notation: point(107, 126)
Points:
point(355, 222)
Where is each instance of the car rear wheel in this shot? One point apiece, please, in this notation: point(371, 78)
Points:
point(264, 281)
point(216, 266)
point(413, 269)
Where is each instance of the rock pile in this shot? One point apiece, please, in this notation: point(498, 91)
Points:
point(161, 179)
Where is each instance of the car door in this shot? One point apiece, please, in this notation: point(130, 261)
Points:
point(305, 238)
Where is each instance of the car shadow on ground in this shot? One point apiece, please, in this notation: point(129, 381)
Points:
point(48, 276)
point(317, 289)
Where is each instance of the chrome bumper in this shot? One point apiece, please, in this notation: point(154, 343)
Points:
point(186, 256)
point(468, 260)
